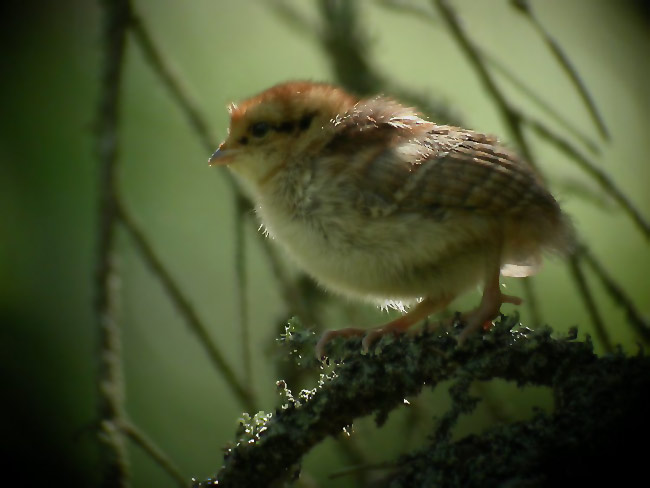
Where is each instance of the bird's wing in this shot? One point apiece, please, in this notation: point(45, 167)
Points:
point(398, 164)
point(447, 169)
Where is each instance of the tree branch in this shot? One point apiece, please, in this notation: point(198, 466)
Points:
point(115, 469)
point(162, 67)
point(635, 318)
point(269, 447)
point(525, 8)
point(592, 308)
point(149, 446)
point(184, 306)
point(599, 175)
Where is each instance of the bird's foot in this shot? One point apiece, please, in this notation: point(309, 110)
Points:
point(483, 315)
point(395, 327)
point(331, 334)
point(398, 326)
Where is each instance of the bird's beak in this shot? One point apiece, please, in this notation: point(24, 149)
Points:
point(222, 156)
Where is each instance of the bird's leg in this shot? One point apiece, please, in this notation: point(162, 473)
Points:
point(489, 307)
point(421, 311)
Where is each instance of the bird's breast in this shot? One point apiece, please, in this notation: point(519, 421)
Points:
point(398, 257)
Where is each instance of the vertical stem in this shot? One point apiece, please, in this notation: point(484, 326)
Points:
point(115, 469)
point(510, 116)
point(531, 302)
point(566, 64)
point(590, 303)
point(635, 318)
point(155, 453)
point(241, 314)
point(184, 306)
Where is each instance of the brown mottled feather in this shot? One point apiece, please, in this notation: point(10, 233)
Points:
point(377, 203)
point(455, 169)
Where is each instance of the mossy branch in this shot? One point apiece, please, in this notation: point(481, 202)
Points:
point(269, 447)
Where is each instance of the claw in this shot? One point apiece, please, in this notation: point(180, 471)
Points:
point(398, 326)
point(487, 311)
point(331, 334)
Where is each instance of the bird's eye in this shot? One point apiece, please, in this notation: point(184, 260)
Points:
point(259, 129)
point(305, 122)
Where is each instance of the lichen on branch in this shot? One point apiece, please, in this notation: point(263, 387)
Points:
point(269, 447)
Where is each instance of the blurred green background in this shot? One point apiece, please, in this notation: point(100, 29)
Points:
point(224, 51)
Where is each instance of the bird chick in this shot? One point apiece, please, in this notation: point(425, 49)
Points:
point(376, 203)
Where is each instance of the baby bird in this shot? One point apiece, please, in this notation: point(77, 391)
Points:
point(376, 203)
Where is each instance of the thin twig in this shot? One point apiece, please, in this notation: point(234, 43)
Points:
point(420, 13)
point(589, 167)
point(242, 207)
point(115, 469)
point(583, 190)
point(197, 119)
point(531, 302)
point(590, 303)
point(295, 19)
point(291, 293)
point(157, 454)
point(187, 311)
point(347, 46)
point(524, 7)
point(355, 457)
point(361, 469)
point(414, 9)
point(173, 82)
point(416, 416)
point(503, 70)
point(497, 405)
point(639, 323)
point(509, 115)
point(515, 119)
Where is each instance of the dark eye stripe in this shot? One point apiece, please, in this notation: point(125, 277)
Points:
point(259, 129)
point(285, 127)
point(305, 122)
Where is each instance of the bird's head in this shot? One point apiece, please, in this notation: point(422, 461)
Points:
point(279, 126)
